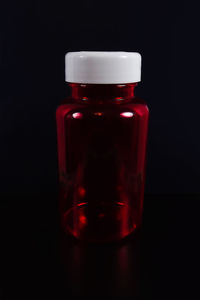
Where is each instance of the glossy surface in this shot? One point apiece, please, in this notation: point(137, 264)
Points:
point(102, 134)
point(158, 261)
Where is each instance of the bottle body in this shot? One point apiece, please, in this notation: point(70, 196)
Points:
point(101, 155)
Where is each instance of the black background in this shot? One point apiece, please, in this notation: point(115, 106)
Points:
point(35, 37)
point(161, 259)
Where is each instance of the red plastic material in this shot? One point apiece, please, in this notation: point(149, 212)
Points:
point(102, 134)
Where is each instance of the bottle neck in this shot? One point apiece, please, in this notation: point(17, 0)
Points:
point(101, 93)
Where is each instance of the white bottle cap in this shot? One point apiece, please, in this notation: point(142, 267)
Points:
point(102, 67)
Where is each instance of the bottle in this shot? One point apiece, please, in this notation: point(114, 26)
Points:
point(102, 135)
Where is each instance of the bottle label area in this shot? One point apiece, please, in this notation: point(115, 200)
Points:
point(102, 176)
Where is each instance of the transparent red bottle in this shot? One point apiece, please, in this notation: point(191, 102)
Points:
point(102, 134)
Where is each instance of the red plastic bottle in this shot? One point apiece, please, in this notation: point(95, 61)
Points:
point(102, 134)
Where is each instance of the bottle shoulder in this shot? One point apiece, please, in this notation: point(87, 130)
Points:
point(135, 105)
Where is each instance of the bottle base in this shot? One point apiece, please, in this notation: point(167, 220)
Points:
point(99, 224)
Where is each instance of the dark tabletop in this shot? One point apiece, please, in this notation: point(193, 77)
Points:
point(158, 261)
